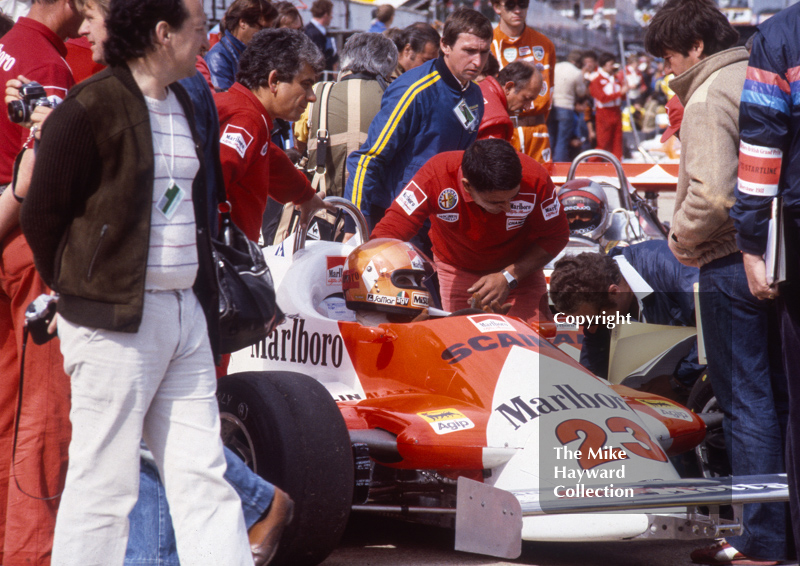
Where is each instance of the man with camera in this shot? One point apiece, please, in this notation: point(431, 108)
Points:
point(34, 48)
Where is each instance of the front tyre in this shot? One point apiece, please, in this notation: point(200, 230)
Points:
point(288, 429)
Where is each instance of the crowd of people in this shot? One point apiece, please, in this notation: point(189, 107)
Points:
point(441, 136)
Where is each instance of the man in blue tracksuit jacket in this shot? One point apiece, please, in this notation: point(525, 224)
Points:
point(433, 108)
point(769, 167)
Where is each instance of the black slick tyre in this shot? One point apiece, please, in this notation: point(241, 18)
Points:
point(287, 427)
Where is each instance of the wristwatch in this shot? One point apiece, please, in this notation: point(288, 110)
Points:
point(511, 280)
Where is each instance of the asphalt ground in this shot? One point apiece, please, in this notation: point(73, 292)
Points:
point(378, 541)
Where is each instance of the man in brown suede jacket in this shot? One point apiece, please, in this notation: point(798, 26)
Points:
point(697, 44)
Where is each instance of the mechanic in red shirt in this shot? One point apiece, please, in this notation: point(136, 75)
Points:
point(276, 76)
point(608, 96)
point(517, 85)
point(495, 223)
point(33, 48)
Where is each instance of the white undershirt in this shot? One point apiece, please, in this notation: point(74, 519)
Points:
point(172, 255)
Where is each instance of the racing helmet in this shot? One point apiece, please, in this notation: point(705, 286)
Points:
point(586, 205)
point(386, 275)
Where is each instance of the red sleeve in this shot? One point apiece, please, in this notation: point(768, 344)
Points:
point(549, 228)
point(286, 182)
point(56, 80)
point(239, 145)
point(201, 65)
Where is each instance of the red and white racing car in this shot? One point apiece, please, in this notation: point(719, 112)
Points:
point(475, 421)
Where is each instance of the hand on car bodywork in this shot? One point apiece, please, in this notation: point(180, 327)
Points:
point(494, 307)
point(492, 288)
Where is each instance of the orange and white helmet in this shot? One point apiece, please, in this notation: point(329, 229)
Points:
point(386, 275)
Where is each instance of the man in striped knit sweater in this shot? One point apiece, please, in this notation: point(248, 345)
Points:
point(116, 217)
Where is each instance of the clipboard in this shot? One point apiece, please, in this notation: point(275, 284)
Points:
point(775, 256)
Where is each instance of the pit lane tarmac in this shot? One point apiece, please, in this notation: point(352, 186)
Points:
point(379, 541)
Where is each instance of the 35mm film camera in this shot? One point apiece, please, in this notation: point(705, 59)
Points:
point(33, 95)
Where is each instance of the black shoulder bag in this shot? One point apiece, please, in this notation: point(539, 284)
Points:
point(248, 310)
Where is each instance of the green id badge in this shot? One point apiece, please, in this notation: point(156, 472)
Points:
point(170, 200)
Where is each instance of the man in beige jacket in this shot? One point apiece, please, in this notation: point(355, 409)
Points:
point(696, 42)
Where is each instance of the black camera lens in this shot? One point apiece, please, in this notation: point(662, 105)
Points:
point(18, 111)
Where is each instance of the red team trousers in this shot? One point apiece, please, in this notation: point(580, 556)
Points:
point(26, 524)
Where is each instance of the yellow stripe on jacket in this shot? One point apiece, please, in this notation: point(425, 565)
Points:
point(388, 130)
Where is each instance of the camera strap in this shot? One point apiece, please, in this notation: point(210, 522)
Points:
point(16, 423)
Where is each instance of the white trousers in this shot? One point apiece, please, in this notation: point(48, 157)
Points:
point(158, 385)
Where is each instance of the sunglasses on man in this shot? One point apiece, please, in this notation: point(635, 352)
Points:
point(511, 5)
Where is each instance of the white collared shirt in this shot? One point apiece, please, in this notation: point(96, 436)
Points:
point(638, 285)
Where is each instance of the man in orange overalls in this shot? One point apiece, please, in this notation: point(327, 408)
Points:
point(513, 40)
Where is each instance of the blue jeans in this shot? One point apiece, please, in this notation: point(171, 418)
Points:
point(744, 363)
point(152, 540)
point(564, 121)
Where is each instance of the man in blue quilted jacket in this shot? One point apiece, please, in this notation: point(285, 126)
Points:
point(242, 20)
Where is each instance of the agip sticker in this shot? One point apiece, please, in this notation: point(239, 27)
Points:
point(445, 421)
point(402, 299)
point(667, 409)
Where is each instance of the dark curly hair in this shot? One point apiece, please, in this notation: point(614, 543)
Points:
point(283, 50)
point(130, 25)
point(679, 24)
point(492, 165)
point(583, 279)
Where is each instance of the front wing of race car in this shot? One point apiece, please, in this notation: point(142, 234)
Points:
point(493, 521)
